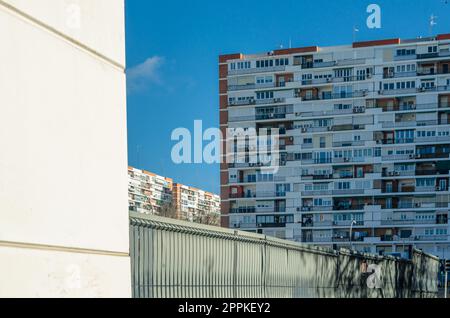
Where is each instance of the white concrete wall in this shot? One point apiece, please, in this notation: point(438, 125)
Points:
point(63, 157)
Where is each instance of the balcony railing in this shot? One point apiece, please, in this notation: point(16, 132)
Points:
point(410, 124)
point(245, 102)
point(329, 96)
point(257, 70)
point(432, 238)
point(243, 210)
point(408, 107)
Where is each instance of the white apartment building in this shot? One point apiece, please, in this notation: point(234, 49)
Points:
point(149, 193)
point(63, 129)
point(364, 144)
point(197, 205)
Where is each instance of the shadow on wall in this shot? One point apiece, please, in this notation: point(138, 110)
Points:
point(175, 259)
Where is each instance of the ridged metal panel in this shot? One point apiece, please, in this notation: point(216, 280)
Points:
point(174, 259)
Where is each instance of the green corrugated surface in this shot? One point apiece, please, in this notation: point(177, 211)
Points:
point(174, 259)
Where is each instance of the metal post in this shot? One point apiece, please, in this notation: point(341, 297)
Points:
point(351, 234)
point(446, 284)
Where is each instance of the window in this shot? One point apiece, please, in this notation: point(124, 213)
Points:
point(322, 142)
point(432, 49)
point(406, 68)
point(405, 52)
point(240, 65)
point(264, 95)
point(342, 106)
point(264, 79)
point(427, 182)
point(271, 63)
point(343, 185)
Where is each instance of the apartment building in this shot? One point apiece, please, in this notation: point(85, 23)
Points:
point(196, 205)
point(149, 193)
point(364, 144)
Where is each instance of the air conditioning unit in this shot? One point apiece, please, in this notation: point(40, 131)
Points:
point(418, 205)
point(391, 174)
point(304, 130)
point(397, 173)
point(298, 114)
point(438, 188)
point(291, 139)
point(412, 156)
point(346, 160)
point(418, 156)
point(330, 128)
point(413, 106)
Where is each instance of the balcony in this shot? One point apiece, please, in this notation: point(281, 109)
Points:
point(398, 91)
point(271, 225)
point(348, 223)
point(328, 113)
point(243, 210)
point(347, 79)
point(244, 225)
point(246, 102)
point(316, 208)
point(431, 172)
point(348, 192)
point(270, 101)
point(316, 193)
point(242, 195)
point(399, 75)
point(270, 194)
point(430, 72)
point(406, 124)
point(407, 107)
point(396, 141)
point(407, 222)
point(427, 56)
point(257, 70)
point(408, 173)
point(329, 96)
point(270, 116)
point(353, 207)
point(310, 65)
point(431, 238)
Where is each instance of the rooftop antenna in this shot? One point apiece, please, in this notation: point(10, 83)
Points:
point(290, 42)
point(355, 30)
point(433, 22)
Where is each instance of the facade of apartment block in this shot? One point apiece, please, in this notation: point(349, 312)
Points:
point(364, 144)
point(196, 205)
point(149, 193)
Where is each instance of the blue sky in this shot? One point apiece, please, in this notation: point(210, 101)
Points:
point(173, 48)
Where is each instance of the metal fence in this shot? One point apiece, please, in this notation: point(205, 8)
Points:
point(174, 259)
